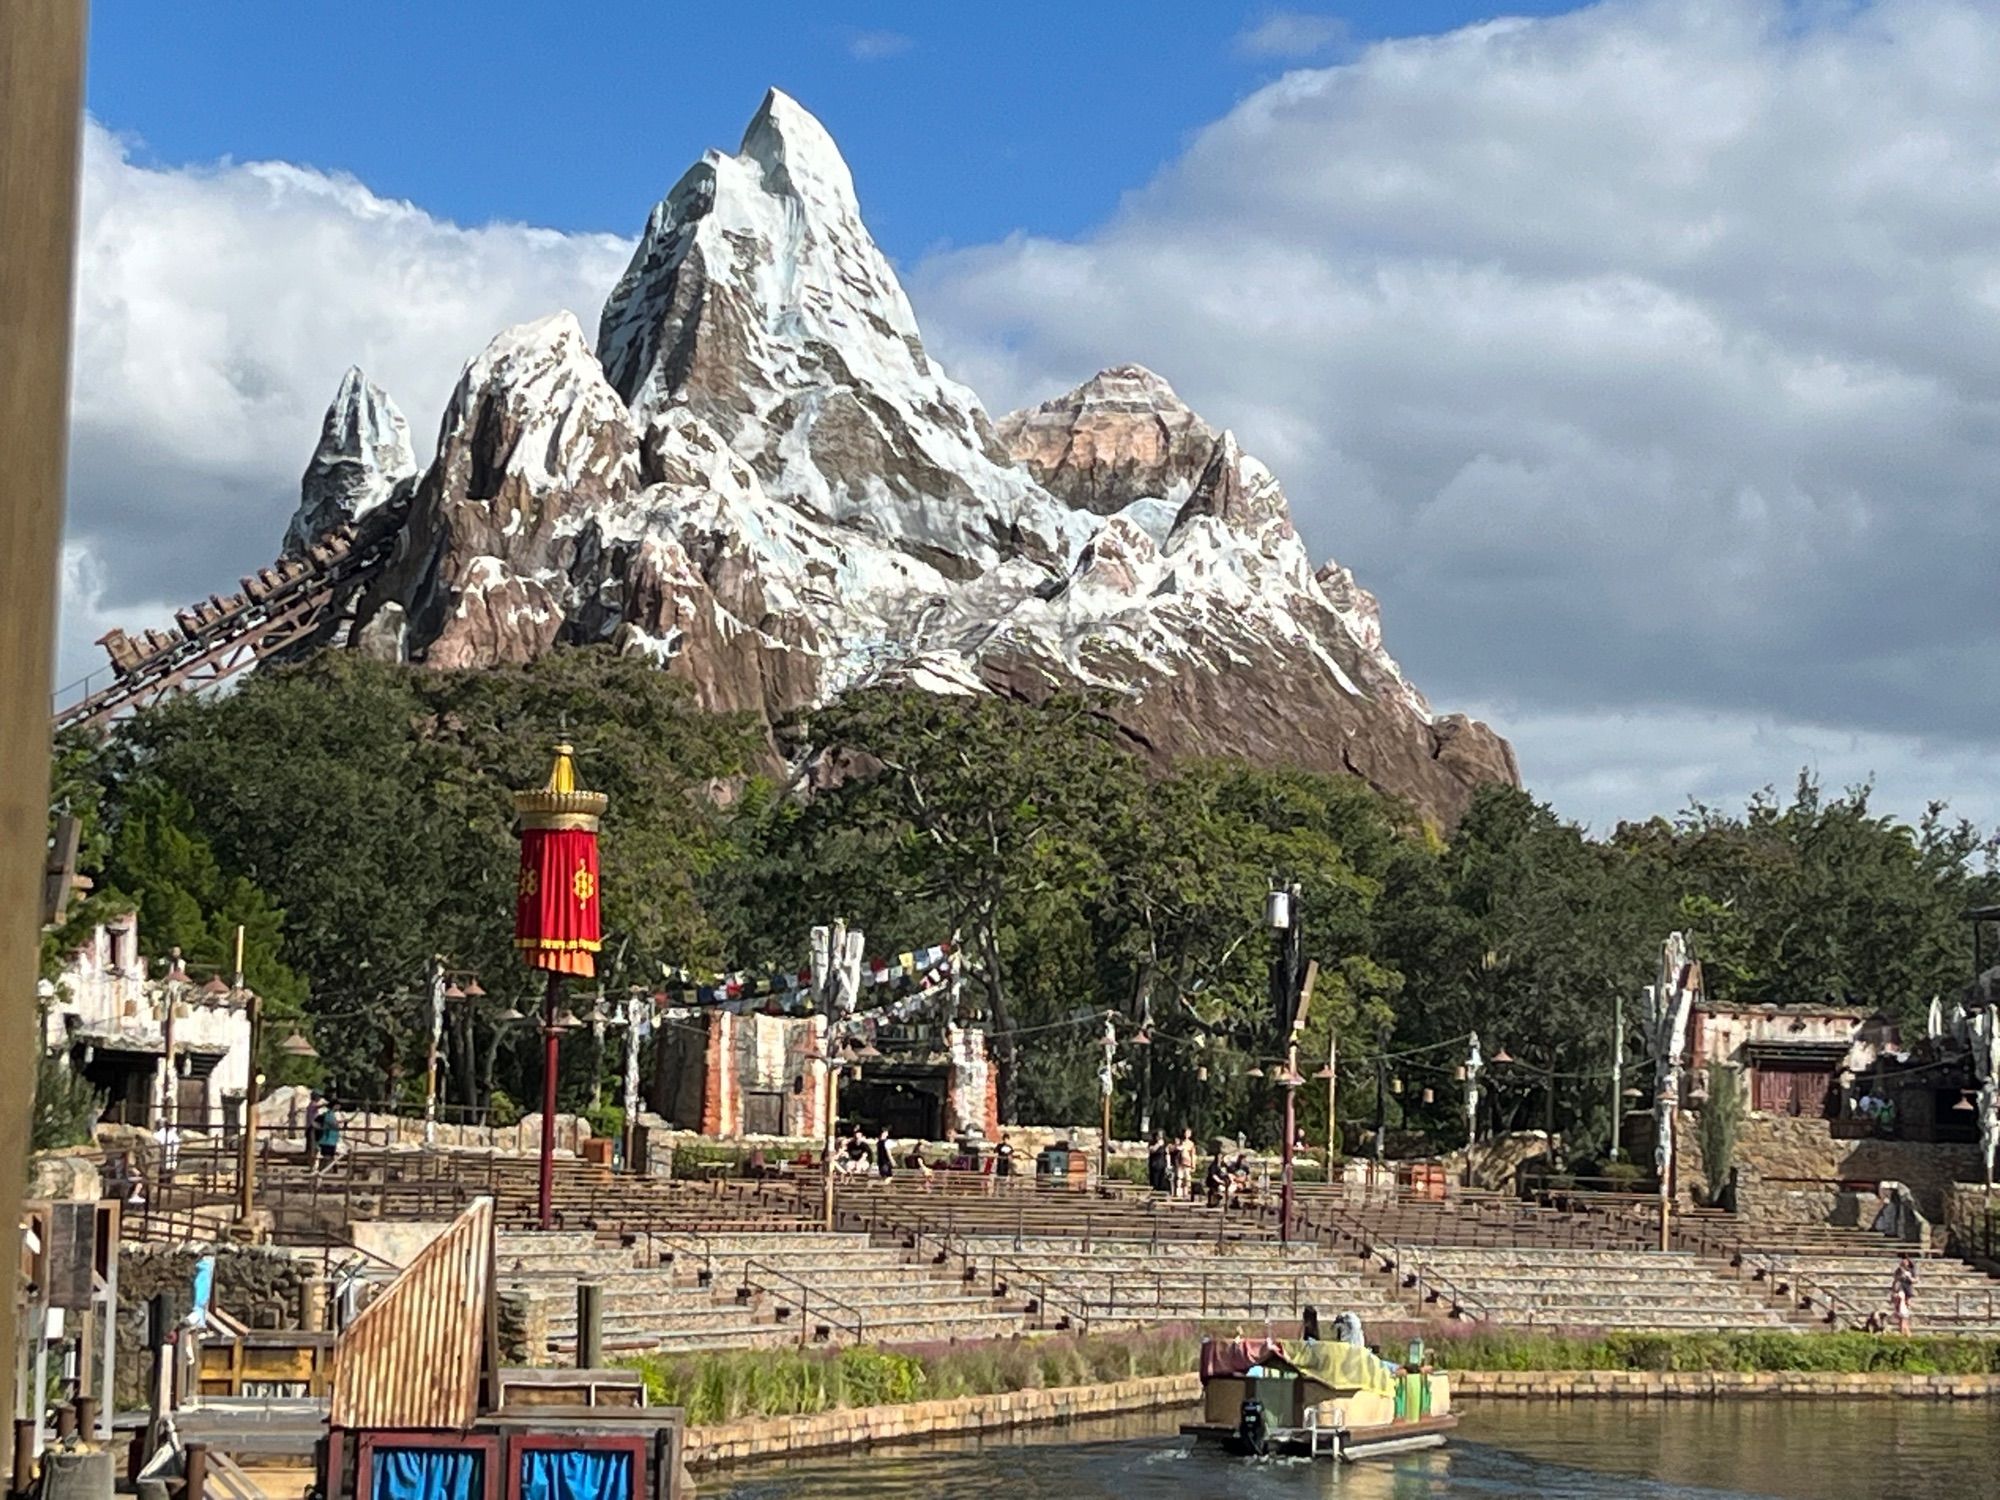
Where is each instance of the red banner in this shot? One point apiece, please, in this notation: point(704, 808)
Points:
point(555, 914)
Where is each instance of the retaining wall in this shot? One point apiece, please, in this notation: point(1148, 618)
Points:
point(1709, 1385)
point(833, 1431)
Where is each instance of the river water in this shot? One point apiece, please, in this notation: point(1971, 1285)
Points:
point(1609, 1450)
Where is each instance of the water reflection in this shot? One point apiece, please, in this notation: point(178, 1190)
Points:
point(1580, 1451)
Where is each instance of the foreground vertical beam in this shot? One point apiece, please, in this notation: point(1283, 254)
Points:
point(41, 112)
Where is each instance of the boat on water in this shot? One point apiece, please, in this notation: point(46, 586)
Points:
point(1334, 1399)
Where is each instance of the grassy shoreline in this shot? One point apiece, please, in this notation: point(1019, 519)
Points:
point(735, 1385)
point(731, 1385)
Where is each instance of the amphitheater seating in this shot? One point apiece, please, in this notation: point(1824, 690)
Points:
point(671, 1290)
point(1845, 1286)
point(1111, 1283)
point(1526, 1286)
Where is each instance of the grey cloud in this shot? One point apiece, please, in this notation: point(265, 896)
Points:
point(1644, 360)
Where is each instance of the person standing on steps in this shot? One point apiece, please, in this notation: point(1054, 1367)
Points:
point(1003, 1157)
point(1158, 1177)
point(884, 1166)
point(1902, 1290)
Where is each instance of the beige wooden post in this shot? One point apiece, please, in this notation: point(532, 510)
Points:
point(41, 104)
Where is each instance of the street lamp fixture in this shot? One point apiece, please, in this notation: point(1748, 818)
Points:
point(473, 990)
point(296, 1045)
point(453, 992)
point(1502, 1056)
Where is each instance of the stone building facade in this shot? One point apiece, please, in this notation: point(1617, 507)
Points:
point(115, 1026)
point(733, 1075)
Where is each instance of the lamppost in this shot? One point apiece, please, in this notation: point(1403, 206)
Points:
point(1470, 1072)
point(557, 921)
point(1291, 993)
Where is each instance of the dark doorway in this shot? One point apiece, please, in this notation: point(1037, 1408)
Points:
point(906, 1103)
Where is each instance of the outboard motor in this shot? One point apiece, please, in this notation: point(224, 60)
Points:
point(1253, 1430)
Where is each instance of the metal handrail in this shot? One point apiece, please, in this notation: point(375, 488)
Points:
point(1836, 1306)
point(804, 1300)
point(1461, 1303)
point(1077, 1312)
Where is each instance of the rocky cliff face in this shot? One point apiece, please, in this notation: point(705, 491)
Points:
point(760, 479)
point(362, 459)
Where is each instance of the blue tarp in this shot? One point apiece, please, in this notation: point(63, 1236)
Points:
point(575, 1474)
point(428, 1474)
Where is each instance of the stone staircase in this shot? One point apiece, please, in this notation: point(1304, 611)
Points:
point(1123, 1284)
point(1526, 1286)
point(688, 1291)
point(1843, 1288)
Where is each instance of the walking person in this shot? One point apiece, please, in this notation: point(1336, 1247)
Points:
point(1183, 1165)
point(327, 1128)
point(1003, 1157)
point(1902, 1291)
point(885, 1167)
point(168, 1137)
point(1158, 1177)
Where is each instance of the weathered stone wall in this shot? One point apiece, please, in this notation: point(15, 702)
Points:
point(521, 1317)
point(1971, 1221)
point(64, 1177)
point(1776, 1154)
point(257, 1286)
point(772, 1437)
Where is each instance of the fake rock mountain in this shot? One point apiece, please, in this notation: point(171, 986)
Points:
point(761, 479)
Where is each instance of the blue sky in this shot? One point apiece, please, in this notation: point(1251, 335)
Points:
point(963, 122)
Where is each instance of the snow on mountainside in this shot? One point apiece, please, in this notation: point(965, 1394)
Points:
point(761, 480)
point(363, 456)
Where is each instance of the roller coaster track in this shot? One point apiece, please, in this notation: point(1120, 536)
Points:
point(279, 607)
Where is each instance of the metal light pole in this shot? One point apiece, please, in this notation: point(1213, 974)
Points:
point(545, 1178)
point(1617, 1066)
point(1104, 1100)
point(1473, 1064)
point(1331, 1073)
point(1291, 991)
point(1381, 1105)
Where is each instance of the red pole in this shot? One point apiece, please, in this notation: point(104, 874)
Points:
point(551, 1060)
point(1291, 1132)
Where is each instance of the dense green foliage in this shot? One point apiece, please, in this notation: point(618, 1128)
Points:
point(1720, 1124)
point(726, 1385)
point(1840, 1353)
point(354, 818)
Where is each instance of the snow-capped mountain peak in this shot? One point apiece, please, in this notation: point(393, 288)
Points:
point(363, 457)
point(761, 480)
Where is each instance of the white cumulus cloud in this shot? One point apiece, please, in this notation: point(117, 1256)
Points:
point(1645, 360)
point(216, 310)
